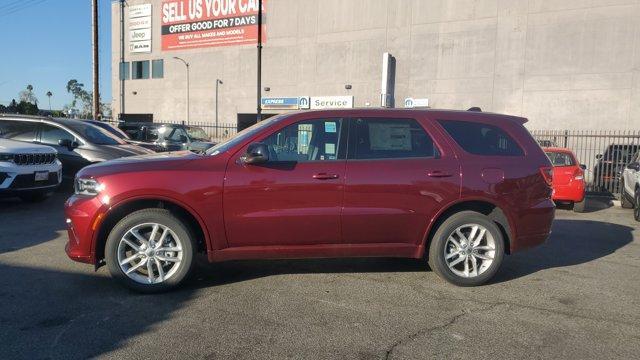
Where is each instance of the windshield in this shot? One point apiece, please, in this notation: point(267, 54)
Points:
point(560, 158)
point(243, 135)
point(94, 134)
point(197, 133)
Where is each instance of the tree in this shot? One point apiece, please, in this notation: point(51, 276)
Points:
point(49, 95)
point(28, 96)
point(27, 108)
point(13, 107)
point(76, 89)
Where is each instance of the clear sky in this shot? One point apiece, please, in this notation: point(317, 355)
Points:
point(46, 43)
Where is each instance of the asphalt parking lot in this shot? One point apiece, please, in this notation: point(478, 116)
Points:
point(578, 296)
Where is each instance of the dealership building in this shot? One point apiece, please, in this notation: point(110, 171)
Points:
point(562, 64)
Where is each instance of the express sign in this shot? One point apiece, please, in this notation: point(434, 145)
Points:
point(188, 24)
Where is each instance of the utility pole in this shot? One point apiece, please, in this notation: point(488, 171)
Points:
point(96, 75)
point(259, 95)
point(122, 67)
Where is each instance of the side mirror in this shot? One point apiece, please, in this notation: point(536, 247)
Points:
point(257, 153)
point(599, 156)
point(583, 166)
point(634, 166)
point(69, 144)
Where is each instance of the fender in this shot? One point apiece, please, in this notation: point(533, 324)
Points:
point(131, 198)
point(445, 208)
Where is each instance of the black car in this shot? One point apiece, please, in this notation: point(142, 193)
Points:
point(608, 169)
point(169, 137)
point(78, 143)
point(124, 136)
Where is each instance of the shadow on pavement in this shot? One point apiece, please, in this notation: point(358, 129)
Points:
point(26, 224)
point(48, 314)
point(572, 242)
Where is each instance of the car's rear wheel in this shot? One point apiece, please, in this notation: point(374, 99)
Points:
point(150, 251)
point(466, 249)
point(625, 201)
point(580, 206)
point(636, 208)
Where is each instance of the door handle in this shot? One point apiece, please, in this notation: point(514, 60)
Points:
point(325, 176)
point(438, 174)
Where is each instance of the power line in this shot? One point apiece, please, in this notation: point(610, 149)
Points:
point(23, 6)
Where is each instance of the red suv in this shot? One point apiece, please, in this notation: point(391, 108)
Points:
point(459, 188)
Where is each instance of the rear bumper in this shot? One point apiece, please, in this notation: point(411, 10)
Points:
point(573, 192)
point(534, 226)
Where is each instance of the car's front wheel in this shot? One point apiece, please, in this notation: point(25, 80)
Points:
point(466, 249)
point(150, 251)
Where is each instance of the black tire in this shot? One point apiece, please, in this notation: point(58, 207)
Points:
point(636, 208)
point(159, 216)
point(579, 207)
point(625, 201)
point(437, 260)
point(34, 196)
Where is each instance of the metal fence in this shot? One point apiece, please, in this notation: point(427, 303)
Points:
point(604, 153)
point(217, 133)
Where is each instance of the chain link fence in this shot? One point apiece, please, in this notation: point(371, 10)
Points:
point(605, 153)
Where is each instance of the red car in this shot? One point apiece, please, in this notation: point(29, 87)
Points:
point(568, 178)
point(459, 188)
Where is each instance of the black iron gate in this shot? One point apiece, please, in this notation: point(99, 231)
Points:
point(604, 153)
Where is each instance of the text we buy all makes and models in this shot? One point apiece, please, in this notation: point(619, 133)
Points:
point(188, 24)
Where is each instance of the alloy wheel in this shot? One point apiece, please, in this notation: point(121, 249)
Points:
point(149, 253)
point(470, 250)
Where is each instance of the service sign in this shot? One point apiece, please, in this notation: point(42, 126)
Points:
point(190, 24)
point(416, 103)
point(331, 102)
point(281, 103)
point(139, 10)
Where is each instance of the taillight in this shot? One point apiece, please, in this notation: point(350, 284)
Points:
point(547, 174)
point(578, 175)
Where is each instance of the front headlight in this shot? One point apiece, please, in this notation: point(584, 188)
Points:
point(89, 187)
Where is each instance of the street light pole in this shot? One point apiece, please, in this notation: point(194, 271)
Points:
point(218, 82)
point(259, 90)
point(187, 65)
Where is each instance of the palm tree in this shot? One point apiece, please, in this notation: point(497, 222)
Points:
point(49, 95)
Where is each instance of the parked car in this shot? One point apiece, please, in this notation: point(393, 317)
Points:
point(461, 188)
point(546, 143)
point(169, 137)
point(78, 143)
point(630, 186)
point(608, 169)
point(568, 178)
point(28, 171)
point(124, 136)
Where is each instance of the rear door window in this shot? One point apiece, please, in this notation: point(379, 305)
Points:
point(481, 139)
point(560, 158)
point(380, 138)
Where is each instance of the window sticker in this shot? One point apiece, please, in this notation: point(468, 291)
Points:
point(329, 149)
point(330, 127)
point(385, 136)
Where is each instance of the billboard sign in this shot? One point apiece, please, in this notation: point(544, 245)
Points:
point(191, 24)
point(140, 28)
point(331, 102)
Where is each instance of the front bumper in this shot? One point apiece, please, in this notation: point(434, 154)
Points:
point(17, 178)
point(83, 216)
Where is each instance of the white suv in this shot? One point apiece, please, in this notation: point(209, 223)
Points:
point(630, 187)
point(28, 171)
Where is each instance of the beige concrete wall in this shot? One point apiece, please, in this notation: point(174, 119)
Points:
point(570, 64)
